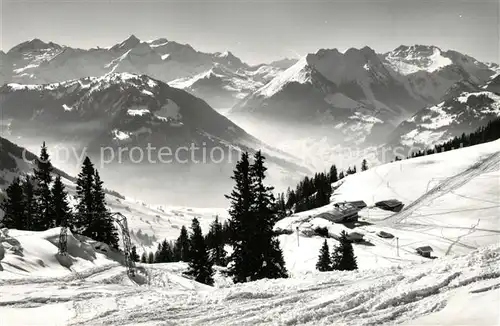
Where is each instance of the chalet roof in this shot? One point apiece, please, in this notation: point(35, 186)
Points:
point(424, 249)
point(389, 203)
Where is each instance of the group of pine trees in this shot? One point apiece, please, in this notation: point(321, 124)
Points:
point(40, 202)
point(342, 257)
point(178, 250)
point(37, 202)
point(313, 192)
point(485, 134)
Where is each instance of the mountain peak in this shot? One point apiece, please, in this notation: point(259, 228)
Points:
point(129, 43)
point(33, 45)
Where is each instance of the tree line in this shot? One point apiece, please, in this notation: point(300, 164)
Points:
point(40, 202)
point(313, 192)
point(484, 134)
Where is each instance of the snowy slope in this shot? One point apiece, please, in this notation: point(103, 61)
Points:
point(451, 291)
point(451, 204)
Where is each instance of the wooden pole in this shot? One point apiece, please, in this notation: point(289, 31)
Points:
point(397, 245)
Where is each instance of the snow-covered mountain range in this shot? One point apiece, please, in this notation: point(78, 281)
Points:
point(221, 77)
point(123, 110)
point(359, 95)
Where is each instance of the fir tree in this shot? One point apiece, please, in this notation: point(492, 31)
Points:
point(43, 169)
point(13, 207)
point(333, 174)
point(60, 204)
point(182, 244)
point(324, 263)
point(30, 203)
point(133, 255)
point(144, 258)
point(344, 259)
point(200, 266)
point(151, 258)
point(243, 259)
point(166, 252)
point(215, 243)
point(158, 255)
point(84, 195)
point(270, 262)
point(364, 165)
point(102, 225)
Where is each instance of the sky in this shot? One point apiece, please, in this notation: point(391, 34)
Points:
point(259, 30)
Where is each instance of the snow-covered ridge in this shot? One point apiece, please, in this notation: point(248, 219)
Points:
point(408, 60)
point(450, 118)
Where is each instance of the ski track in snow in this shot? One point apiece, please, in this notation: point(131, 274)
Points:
point(391, 295)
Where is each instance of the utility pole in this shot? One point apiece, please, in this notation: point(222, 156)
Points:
point(397, 245)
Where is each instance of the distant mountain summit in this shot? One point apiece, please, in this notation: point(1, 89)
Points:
point(38, 62)
point(360, 96)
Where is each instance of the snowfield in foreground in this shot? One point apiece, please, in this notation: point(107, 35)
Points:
point(450, 291)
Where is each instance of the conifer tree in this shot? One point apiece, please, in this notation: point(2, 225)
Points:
point(166, 252)
point(144, 258)
point(43, 169)
point(60, 205)
point(133, 255)
point(270, 262)
point(324, 263)
point(200, 266)
point(102, 222)
point(364, 165)
point(243, 259)
point(215, 243)
point(84, 195)
point(151, 258)
point(13, 207)
point(29, 202)
point(333, 174)
point(344, 258)
point(182, 244)
point(158, 254)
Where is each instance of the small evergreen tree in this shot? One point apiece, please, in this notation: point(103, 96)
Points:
point(364, 165)
point(166, 252)
point(324, 263)
point(215, 243)
point(158, 254)
point(182, 244)
point(13, 207)
point(43, 169)
point(134, 256)
point(151, 258)
point(60, 204)
point(344, 259)
point(30, 203)
point(200, 266)
point(333, 174)
point(144, 258)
